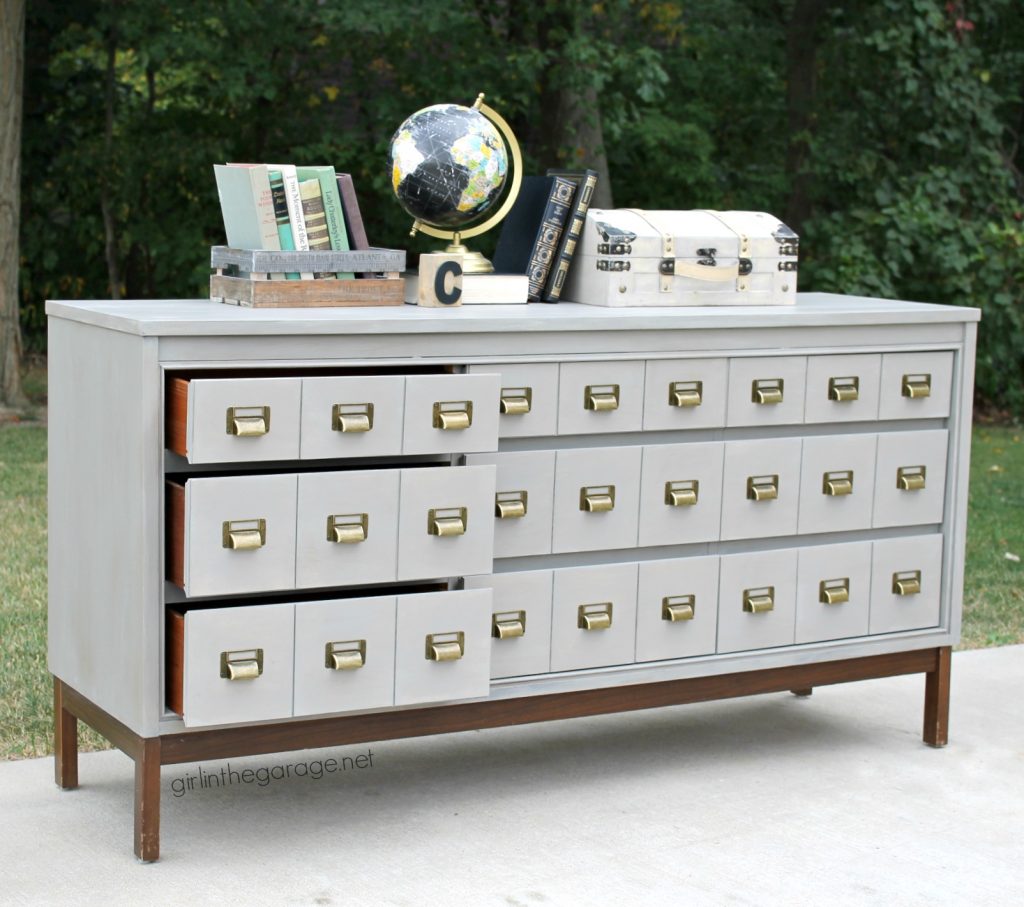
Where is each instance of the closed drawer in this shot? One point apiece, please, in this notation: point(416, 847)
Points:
point(230, 665)
point(593, 617)
point(833, 592)
point(757, 600)
point(523, 501)
point(916, 385)
point(910, 478)
point(597, 492)
point(685, 393)
point(766, 390)
point(520, 621)
point(223, 420)
point(527, 398)
point(451, 413)
point(677, 608)
point(352, 416)
point(906, 583)
point(598, 397)
point(232, 534)
point(344, 655)
point(442, 646)
point(842, 388)
point(837, 483)
point(445, 524)
point(681, 493)
point(761, 488)
point(347, 531)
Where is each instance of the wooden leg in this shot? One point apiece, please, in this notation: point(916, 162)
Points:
point(803, 691)
point(65, 741)
point(147, 800)
point(936, 700)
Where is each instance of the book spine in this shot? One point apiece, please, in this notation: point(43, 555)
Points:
point(571, 236)
point(353, 216)
point(295, 218)
point(316, 220)
point(545, 244)
point(332, 208)
point(264, 207)
point(284, 227)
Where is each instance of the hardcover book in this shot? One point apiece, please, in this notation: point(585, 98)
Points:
point(247, 206)
point(333, 211)
point(294, 202)
point(353, 216)
point(284, 229)
point(585, 182)
point(480, 289)
point(316, 220)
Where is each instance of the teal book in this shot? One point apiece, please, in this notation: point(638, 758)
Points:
point(332, 208)
point(284, 227)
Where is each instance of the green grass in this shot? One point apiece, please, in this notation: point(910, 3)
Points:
point(993, 600)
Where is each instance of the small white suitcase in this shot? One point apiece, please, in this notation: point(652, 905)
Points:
point(629, 257)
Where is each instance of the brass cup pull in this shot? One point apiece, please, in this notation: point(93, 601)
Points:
point(686, 393)
point(767, 391)
point(597, 498)
point(447, 521)
point(834, 591)
point(244, 535)
point(352, 418)
point(601, 397)
point(759, 601)
point(453, 415)
point(684, 493)
point(762, 488)
point(248, 421)
point(907, 582)
point(510, 505)
point(675, 608)
point(843, 390)
point(508, 624)
point(348, 529)
point(837, 484)
point(917, 386)
point(241, 664)
point(516, 401)
point(449, 646)
point(911, 478)
point(345, 656)
point(594, 617)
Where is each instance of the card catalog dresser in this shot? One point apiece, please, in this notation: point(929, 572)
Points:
point(278, 529)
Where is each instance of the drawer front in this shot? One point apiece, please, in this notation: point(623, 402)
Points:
point(243, 419)
point(445, 527)
point(598, 397)
point(597, 493)
point(239, 534)
point(754, 471)
point(681, 493)
point(593, 617)
point(757, 600)
point(253, 643)
point(677, 608)
point(906, 583)
point(347, 530)
point(685, 393)
point(352, 416)
point(833, 592)
point(523, 501)
point(451, 413)
point(527, 399)
point(344, 655)
point(842, 388)
point(916, 385)
point(452, 629)
point(837, 483)
point(910, 478)
point(766, 390)
point(520, 621)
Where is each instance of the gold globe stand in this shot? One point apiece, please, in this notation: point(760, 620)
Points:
point(475, 262)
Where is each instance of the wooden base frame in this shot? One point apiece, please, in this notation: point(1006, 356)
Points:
point(150, 753)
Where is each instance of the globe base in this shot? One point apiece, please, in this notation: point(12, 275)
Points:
point(472, 262)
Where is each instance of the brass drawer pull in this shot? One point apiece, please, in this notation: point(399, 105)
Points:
point(834, 591)
point(917, 386)
point(345, 656)
point(597, 498)
point(838, 483)
point(594, 617)
point(352, 418)
point(348, 528)
point(686, 393)
point(760, 600)
point(516, 401)
point(447, 521)
point(601, 397)
point(242, 664)
point(844, 390)
point(248, 421)
point(244, 535)
point(449, 646)
point(508, 624)
point(762, 488)
point(675, 608)
point(907, 582)
point(911, 478)
point(510, 505)
point(453, 415)
point(683, 493)
point(766, 391)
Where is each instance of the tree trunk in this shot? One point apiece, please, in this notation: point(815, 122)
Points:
point(12, 50)
point(580, 139)
point(106, 188)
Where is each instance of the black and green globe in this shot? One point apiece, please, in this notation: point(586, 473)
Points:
point(448, 165)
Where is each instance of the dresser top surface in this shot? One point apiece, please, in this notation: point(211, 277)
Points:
point(190, 317)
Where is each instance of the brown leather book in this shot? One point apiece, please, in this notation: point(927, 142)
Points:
point(353, 216)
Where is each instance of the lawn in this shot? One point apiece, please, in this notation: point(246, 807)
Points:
point(993, 605)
